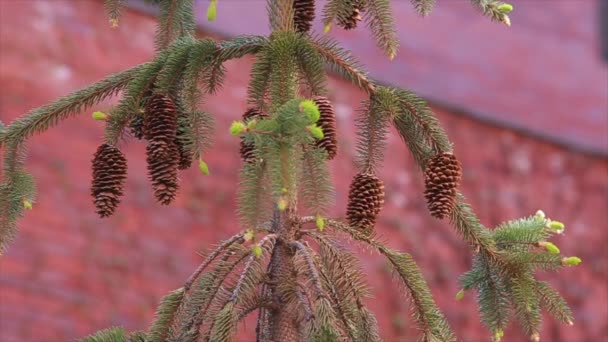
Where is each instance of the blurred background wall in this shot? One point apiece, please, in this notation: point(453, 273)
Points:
point(526, 108)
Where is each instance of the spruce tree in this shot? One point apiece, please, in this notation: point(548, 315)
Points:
point(288, 266)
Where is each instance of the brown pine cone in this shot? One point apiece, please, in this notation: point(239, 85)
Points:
point(327, 123)
point(303, 14)
point(160, 121)
point(109, 173)
point(350, 22)
point(441, 179)
point(247, 149)
point(137, 126)
point(365, 200)
point(160, 126)
point(163, 159)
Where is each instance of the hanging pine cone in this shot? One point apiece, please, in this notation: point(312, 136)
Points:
point(441, 179)
point(109, 173)
point(365, 200)
point(247, 149)
point(327, 122)
point(303, 14)
point(160, 121)
point(137, 126)
point(160, 126)
point(350, 22)
point(163, 159)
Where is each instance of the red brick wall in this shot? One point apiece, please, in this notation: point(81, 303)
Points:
point(70, 273)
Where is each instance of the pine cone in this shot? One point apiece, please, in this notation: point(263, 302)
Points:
point(163, 159)
point(162, 151)
point(160, 121)
point(137, 126)
point(247, 149)
point(351, 21)
point(303, 14)
point(441, 179)
point(365, 200)
point(109, 172)
point(327, 122)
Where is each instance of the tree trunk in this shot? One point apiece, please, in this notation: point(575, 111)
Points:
point(283, 326)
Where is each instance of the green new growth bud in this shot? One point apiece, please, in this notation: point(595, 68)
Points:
point(571, 261)
point(284, 190)
point(460, 294)
point(320, 223)
point(540, 215)
point(556, 226)
point(327, 28)
point(203, 167)
point(551, 248)
point(237, 128)
point(212, 10)
point(505, 8)
point(249, 235)
point(101, 116)
point(311, 110)
point(27, 204)
point(498, 335)
point(282, 203)
point(257, 251)
point(316, 131)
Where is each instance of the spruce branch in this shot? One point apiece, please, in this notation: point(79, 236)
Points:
point(280, 14)
point(311, 269)
point(424, 7)
point(113, 10)
point(40, 119)
point(315, 184)
point(495, 10)
point(194, 310)
point(175, 19)
point(343, 63)
point(379, 19)
point(372, 130)
point(428, 317)
point(165, 314)
point(238, 238)
point(553, 302)
point(425, 121)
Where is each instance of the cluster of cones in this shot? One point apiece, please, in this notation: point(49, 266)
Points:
point(366, 193)
point(304, 14)
point(166, 153)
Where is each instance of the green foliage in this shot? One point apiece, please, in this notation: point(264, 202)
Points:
point(342, 62)
point(164, 316)
point(311, 67)
point(506, 282)
point(321, 289)
point(198, 128)
point(107, 335)
point(175, 20)
point(254, 202)
point(379, 19)
point(316, 189)
point(372, 129)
